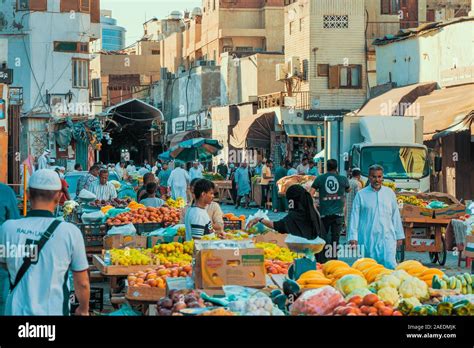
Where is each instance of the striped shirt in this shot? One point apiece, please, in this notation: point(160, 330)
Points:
point(85, 182)
point(103, 192)
point(197, 222)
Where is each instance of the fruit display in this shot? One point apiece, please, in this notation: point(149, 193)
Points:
point(230, 235)
point(350, 282)
point(277, 266)
point(221, 312)
point(179, 300)
point(369, 305)
point(232, 217)
point(181, 231)
point(412, 200)
point(274, 252)
point(212, 176)
point(157, 277)
point(165, 215)
point(390, 185)
point(178, 203)
point(115, 203)
point(461, 283)
point(174, 252)
point(133, 205)
point(417, 269)
point(69, 207)
point(259, 305)
point(304, 180)
point(131, 257)
point(370, 269)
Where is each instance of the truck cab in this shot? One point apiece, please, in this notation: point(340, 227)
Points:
point(394, 142)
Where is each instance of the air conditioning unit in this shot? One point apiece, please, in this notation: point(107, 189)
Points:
point(281, 72)
point(294, 67)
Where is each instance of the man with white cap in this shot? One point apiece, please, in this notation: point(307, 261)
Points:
point(179, 181)
point(43, 160)
point(39, 277)
point(195, 172)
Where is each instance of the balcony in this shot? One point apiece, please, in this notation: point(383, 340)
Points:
point(301, 100)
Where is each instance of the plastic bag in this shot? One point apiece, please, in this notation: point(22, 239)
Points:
point(116, 184)
point(126, 230)
point(127, 311)
point(94, 217)
point(437, 205)
point(320, 301)
point(259, 227)
point(248, 301)
point(306, 246)
point(87, 195)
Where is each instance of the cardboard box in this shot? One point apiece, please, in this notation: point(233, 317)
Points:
point(137, 293)
point(215, 268)
point(455, 208)
point(412, 211)
point(151, 241)
point(272, 237)
point(121, 241)
point(469, 246)
point(452, 212)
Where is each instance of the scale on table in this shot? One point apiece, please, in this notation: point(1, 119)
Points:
point(306, 263)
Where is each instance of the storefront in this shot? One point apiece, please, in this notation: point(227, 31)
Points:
point(303, 140)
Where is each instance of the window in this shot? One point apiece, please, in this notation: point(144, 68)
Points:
point(96, 89)
point(85, 6)
point(227, 48)
point(292, 27)
point(155, 52)
point(80, 73)
point(335, 22)
point(32, 5)
point(390, 7)
point(341, 76)
point(323, 70)
point(71, 47)
point(244, 49)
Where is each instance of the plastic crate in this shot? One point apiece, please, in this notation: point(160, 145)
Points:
point(96, 302)
point(148, 227)
point(93, 234)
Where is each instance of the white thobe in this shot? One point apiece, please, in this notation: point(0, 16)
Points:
point(178, 182)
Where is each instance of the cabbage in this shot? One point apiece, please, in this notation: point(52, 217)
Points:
point(350, 282)
point(401, 274)
point(414, 287)
point(389, 295)
point(389, 281)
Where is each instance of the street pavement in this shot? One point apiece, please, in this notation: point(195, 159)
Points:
point(450, 268)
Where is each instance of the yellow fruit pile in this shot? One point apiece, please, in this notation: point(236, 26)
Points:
point(181, 232)
point(313, 280)
point(178, 203)
point(389, 184)
point(412, 200)
point(227, 235)
point(174, 252)
point(135, 206)
point(130, 257)
point(370, 269)
point(336, 269)
point(274, 252)
point(418, 270)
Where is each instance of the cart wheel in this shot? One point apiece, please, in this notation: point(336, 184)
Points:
point(400, 253)
point(433, 256)
point(442, 256)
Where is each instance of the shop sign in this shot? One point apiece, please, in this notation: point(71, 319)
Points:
point(16, 95)
point(179, 126)
point(6, 76)
point(319, 115)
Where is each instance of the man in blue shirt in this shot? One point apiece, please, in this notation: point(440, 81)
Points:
point(8, 211)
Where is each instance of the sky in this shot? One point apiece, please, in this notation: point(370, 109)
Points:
point(131, 14)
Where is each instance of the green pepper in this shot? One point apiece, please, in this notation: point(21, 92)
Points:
point(405, 307)
point(461, 310)
point(421, 311)
point(436, 284)
point(430, 310)
point(445, 308)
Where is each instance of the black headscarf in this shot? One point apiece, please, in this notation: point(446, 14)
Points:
point(303, 219)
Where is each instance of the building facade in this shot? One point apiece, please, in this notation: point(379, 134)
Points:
point(113, 36)
point(48, 50)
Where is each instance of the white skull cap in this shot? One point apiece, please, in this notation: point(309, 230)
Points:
point(45, 179)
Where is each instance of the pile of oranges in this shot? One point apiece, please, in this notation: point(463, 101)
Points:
point(165, 215)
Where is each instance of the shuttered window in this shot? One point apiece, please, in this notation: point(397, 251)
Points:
point(32, 5)
point(341, 77)
point(70, 5)
point(390, 7)
point(80, 73)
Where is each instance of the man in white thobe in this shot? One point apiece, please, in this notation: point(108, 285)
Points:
point(375, 222)
point(178, 182)
point(43, 160)
point(195, 172)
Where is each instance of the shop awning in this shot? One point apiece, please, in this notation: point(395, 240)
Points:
point(253, 132)
point(133, 110)
point(397, 101)
point(175, 139)
point(302, 130)
point(446, 111)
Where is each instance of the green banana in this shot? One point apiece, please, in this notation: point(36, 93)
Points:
point(468, 278)
point(458, 285)
point(452, 283)
point(445, 278)
point(436, 283)
point(469, 289)
point(462, 279)
point(464, 290)
point(444, 285)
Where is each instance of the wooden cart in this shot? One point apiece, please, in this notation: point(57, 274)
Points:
point(223, 188)
point(424, 235)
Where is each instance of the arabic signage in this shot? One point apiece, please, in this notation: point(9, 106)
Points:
point(319, 115)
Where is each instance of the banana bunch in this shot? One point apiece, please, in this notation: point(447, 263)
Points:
point(460, 282)
point(412, 200)
point(313, 280)
point(390, 185)
point(416, 269)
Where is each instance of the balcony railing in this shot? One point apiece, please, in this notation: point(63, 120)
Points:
point(300, 100)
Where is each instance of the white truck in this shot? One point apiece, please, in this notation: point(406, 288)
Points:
point(394, 142)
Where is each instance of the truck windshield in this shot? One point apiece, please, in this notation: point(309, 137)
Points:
point(399, 162)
